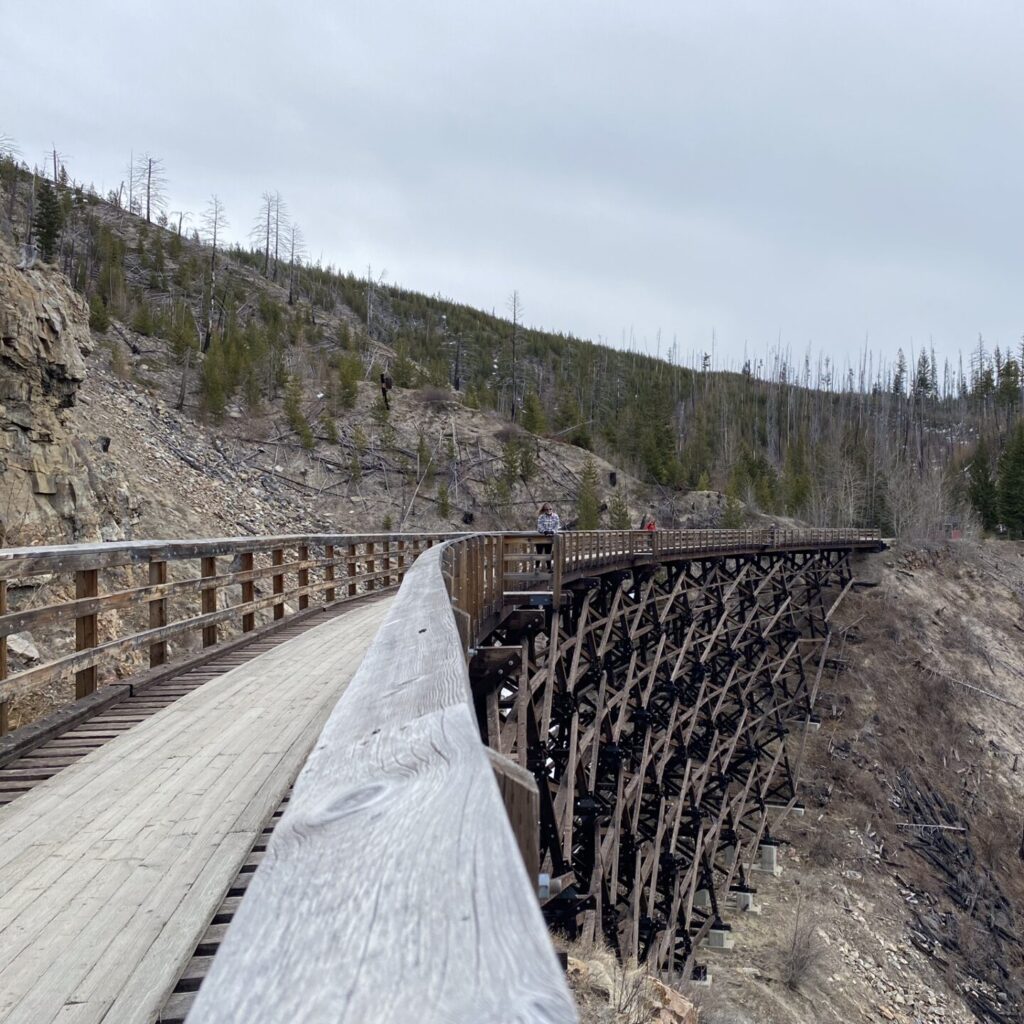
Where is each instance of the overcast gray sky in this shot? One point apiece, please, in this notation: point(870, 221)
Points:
point(815, 171)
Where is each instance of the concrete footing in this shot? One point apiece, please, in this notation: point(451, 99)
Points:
point(745, 903)
point(719, 938)
point(768, 860)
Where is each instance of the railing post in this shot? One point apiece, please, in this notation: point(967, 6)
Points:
point(4, 720)
point(209, 599)
point(303, 576)
point(353, 586)
point(371, 567)
point(557, 543)
point(246, 563)
point(401, 561)
point(157, 612)
point(387, 563)
point(329, 573)
point(86, 631)
point(3, 639)
point(521, 797)
point(277, 558)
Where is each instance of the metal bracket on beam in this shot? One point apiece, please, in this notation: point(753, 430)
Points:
point(522, 623)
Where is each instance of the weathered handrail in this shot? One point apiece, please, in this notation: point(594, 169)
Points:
point(392, 889)
point(527, 560)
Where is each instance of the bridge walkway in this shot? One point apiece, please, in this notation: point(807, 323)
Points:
point(112, 867)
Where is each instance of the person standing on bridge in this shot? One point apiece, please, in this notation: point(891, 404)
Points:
point(548, 524)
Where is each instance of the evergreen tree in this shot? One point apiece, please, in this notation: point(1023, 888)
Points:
point(48, 220)
point(350, 371)
point(588, 502)
point(618, 512)
point(99, 318)
point(527, 461)
point(923, 377)
point(1010, 486)
point(293, 411)
point(982, 487)
point(213, 383)
point(732, 518)
point(899, 380)
point(534, 419)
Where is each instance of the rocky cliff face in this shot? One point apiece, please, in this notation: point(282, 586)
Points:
point(44, 337)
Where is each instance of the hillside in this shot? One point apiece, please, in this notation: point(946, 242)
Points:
point(171, 389)
point(255, 334)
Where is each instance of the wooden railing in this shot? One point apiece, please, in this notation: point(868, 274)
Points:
point(484, 570)
point(581, 552)
point(110, 610)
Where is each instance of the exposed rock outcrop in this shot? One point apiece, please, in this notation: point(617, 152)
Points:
point(44, 337)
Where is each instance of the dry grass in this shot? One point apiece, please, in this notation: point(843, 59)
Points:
point(804, 950)
point(610, 992)
point(434, 396)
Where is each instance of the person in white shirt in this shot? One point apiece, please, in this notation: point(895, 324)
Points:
point(548, 524)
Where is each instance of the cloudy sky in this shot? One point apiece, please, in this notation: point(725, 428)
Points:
point(819, 172)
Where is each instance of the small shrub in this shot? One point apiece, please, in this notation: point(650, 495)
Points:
point(142, 319)
point(509, 433)
point(99, 317)
point(803, 951)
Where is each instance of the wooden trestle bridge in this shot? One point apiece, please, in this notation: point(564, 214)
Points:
point(598, 738)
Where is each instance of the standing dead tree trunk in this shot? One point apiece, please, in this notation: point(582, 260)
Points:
point(152, 178)
point(214, 223)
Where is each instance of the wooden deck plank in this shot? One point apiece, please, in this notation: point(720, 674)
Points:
point(112, 869)
point(182, 724)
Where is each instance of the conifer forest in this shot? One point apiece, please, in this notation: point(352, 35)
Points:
point(903, 442)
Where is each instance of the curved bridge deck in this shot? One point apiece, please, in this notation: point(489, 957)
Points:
point(111, 870)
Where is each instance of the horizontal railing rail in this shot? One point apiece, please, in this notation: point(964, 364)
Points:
point(581, 551)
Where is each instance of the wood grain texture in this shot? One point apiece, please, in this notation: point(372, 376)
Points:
point(110, 870)
point(392, 889)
